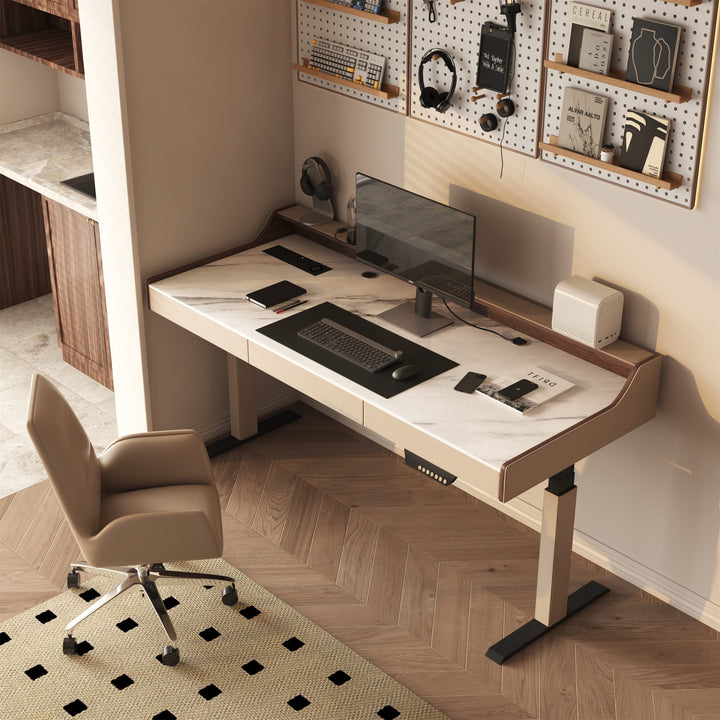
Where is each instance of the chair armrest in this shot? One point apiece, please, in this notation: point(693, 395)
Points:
point(147, 538)
point(154, 459)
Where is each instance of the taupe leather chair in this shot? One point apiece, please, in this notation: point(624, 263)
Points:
point(146, 500)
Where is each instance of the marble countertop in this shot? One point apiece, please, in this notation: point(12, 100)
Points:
point(473, 424)
point(40, 152)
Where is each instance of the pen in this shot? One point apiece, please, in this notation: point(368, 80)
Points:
point(291, 305)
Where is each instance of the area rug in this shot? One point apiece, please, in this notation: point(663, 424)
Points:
point(257, 660)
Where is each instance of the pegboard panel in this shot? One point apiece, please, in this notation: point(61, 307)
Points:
point(331, 22)
point(687, 118)
point(457, 31)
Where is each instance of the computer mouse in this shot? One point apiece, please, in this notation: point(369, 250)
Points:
point(404, 372)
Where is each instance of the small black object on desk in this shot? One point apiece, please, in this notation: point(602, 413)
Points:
point(404, 372)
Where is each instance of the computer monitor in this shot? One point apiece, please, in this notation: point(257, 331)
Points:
point(422, 241)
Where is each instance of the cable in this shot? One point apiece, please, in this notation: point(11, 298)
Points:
point(511, 77)
point(514, 341)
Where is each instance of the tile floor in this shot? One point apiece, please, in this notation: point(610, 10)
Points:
point(28, 344)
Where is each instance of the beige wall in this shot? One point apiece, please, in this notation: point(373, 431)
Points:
point(28, 89)
point(192, 140)
point(649, 504)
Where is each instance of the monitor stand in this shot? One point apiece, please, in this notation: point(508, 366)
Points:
point(416, 316)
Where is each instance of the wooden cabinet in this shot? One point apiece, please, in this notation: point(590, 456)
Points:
point(23, 260)
point(73, 247)
point(47, 31)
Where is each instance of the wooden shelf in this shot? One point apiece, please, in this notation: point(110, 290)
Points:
point(387, 91)
point(668, 181)
point(686, 3)
point(52, 46)
point(616, 78)
point(386, 17)
point(27, 28)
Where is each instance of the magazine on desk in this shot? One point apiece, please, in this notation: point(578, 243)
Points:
point(549, 387)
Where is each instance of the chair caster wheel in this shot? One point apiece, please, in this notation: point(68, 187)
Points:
point(73, 579)
point(229, 595)
point(170, 655)
point(69, 645)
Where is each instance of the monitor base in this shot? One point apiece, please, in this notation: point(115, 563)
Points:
point(404, 316)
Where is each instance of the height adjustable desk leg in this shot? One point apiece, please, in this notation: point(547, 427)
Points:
point(552, 604)
point(244, 423)
point(243, 408)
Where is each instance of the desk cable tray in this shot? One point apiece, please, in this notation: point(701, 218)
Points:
point(428, 363)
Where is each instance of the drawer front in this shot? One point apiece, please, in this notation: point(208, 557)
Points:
point(478, 476)
point(305, 382)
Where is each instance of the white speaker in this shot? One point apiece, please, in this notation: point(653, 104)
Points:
point(587, 311)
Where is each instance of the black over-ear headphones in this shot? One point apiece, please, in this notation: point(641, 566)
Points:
point(429, 96)
point(321, 189)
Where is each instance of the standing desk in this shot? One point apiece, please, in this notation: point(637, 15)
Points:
point(493, 450)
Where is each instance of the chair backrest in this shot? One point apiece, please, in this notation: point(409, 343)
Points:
point(67, 454)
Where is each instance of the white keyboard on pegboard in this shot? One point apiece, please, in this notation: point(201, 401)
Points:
point(348, 63)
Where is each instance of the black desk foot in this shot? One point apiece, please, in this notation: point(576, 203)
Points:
point(534, 630)
point(264, 426)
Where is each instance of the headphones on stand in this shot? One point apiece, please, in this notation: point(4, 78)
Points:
point(430, 97)
point(316, 181)
point(320, 185)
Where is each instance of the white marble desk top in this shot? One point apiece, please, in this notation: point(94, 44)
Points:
point(42, 151)
point(473, 424)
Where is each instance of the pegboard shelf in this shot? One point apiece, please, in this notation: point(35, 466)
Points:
point(686, 3)
point(668, 181)
point(385, 16)
point(388, 92)
point(616, 78)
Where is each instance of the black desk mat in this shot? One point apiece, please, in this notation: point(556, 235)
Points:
point(428, 363)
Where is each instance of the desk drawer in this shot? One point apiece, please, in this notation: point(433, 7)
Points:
point(305, 382)
point(480, 477)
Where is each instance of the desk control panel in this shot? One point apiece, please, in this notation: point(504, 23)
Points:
point(432, 471)
point(299, 261)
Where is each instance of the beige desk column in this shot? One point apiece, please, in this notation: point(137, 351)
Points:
point(241, 390)
point(551, 600)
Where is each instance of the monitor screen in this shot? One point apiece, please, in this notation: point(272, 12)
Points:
point(429, 244)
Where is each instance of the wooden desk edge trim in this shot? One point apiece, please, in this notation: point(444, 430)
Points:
point(635, 404)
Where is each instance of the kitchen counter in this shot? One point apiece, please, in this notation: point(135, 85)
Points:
point(40, 152)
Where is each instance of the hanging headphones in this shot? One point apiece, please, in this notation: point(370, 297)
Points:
point(320, 184)
point(430, 97)
point(505, 108)
point(488, 122)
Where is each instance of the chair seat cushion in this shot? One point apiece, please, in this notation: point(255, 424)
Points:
point(158, 524)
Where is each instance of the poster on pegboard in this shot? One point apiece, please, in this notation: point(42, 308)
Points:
point(456, 28)
point(363, 37)
point(683, 106)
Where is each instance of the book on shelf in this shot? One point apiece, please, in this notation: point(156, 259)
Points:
point(549, 387)
point(582, 122)
point(595, 51)
point(580, 19)
point(653, 53)
point(644, 143)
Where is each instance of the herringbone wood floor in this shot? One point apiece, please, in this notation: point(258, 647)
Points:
point(417, 578)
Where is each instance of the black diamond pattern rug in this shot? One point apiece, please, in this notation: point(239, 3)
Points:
point(257, 660)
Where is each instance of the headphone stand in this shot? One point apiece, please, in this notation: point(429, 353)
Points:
point(322, 212)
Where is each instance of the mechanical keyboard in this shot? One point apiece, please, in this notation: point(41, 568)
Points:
point(351, 346)
point(348, 63)
point(371, 6)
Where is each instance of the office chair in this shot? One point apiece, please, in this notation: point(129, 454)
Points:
point(146, 500)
